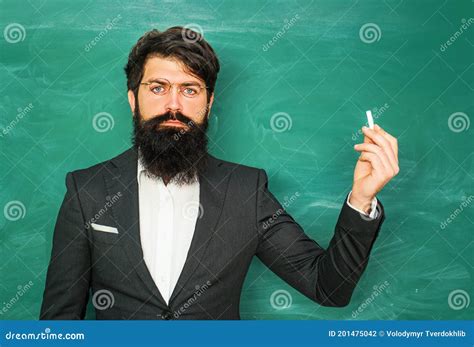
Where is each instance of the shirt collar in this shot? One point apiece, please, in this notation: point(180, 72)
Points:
point(140, 168)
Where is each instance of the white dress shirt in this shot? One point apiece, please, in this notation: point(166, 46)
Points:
point(168, 215)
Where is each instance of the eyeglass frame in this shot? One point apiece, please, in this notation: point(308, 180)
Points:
point(157, 80)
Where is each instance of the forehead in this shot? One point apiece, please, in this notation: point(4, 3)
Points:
point(169, 68)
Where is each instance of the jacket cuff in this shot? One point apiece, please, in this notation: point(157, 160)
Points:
point(352, 220)
point(373, 208)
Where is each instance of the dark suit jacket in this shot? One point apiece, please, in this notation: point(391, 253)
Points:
point(241, 219)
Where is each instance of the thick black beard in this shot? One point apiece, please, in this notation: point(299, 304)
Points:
point(171, 153)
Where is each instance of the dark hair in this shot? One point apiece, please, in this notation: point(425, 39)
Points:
point(183, 44)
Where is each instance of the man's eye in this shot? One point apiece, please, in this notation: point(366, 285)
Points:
point(190, 91)
point(157, 89)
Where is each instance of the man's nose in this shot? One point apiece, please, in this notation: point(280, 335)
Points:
point(173, 102)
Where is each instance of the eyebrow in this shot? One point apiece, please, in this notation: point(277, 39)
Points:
point(186, 84)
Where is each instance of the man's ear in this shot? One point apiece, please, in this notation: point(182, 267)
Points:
point(131, 100)
point(211, 100)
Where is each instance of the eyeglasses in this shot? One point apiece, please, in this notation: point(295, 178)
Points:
point(162, 87)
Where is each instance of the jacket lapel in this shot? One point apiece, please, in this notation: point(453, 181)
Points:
point(213, 183)
point(126, 213)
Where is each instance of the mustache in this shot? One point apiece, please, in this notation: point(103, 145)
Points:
point(161, 118)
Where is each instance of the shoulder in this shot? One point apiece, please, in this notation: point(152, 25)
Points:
point(237, 169)
point(106, 167)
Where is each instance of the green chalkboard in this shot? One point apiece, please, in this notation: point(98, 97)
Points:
point(296, 80)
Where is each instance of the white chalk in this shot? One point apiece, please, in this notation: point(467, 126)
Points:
point(370, 119)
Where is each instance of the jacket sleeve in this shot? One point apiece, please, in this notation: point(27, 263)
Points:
point(329, 276)
point(67, 281)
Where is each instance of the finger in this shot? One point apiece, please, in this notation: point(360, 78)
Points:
point(371, 148)
point(375, 161)
point(391, 139)
point(367, 139)
point(384, 144)
point(393, 143)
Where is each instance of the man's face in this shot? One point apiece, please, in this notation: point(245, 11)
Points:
point(170, 121)
point(151, 104)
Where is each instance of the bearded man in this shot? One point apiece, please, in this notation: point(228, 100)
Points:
point(167, 231)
